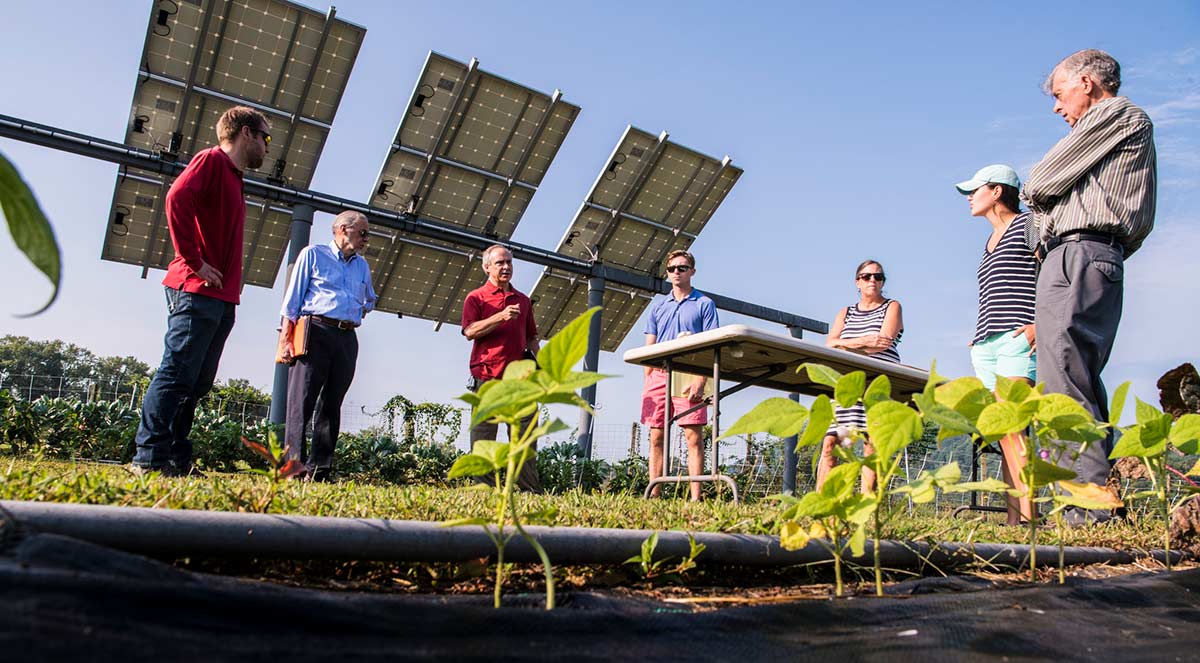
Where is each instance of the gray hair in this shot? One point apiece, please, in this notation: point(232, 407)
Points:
point(347, 219)
point(1097, 65)
point(487, 253)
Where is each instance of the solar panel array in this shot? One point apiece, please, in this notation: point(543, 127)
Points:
point(202, 57)
point(470, 152)
point(652, 196)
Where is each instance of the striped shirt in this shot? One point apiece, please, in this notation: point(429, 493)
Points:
point(862, 323)
point(1007, 283)
point(1101, 176)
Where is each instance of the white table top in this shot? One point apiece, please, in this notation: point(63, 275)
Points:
point(747, 352)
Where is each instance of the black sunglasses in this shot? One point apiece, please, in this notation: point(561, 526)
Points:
point(265, 136)
point(678, 268)
point(868, 276)
point(363, 233)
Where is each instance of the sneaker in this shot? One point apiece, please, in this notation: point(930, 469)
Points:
point(146, 470)
point(1075, 517)
point(319, 475)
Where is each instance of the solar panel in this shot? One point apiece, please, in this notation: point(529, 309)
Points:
point(470, 152)
point(652, 196)
point(203, 57)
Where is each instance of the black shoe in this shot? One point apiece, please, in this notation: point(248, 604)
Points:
point(1075, 517)
point(320, 475)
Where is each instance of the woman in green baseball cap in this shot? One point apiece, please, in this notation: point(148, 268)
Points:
point(1004, 342)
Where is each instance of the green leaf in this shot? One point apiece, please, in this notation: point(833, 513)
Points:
point(1061, 411)
point(1129, 444)
point(821, 374)
point(947, 474)
point(471, 465)
point(520, 369)
point(840, 482)
point(893, 426)
point(815, 505)
point(494, 452)
point(567, 398)
point(949, 422)
point(850, 388)
point(548, 428)
point(506, 399)
point(858, 509)
point(879, 391)
point(858, 541)
point(1044, 473)
point(1146, 412)
point(30, 229)
point(781, 417)
point(1000, 419)
point(1139, 441)
point(1185, 434)
point(819, 419)
point(1012, 390)
point(1117, 408)
point(560, 354)
point(921, 491)
point(985, 486)
point(576, 380)
point(1195, 471)
point(459, 522)
point(967, 396)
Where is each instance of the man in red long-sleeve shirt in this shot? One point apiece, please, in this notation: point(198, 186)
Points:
point(206, 214)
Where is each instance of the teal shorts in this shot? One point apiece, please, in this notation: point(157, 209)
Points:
point(1003, 354)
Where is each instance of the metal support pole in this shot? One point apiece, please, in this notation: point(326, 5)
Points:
point(789, 444)
point(300, 231)
point(591, 362)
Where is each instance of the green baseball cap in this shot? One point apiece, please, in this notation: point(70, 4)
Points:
point(993, 174)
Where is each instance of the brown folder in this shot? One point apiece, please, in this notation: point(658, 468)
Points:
point(299, 339)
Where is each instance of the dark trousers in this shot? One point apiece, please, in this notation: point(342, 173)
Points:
point(1079, 296)
point(197, 327)
point(317, 383)
point(528, 480)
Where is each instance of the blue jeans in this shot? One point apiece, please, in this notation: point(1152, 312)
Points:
point(197, 327)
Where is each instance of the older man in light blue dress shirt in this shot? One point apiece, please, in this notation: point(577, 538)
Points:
point(331, 285)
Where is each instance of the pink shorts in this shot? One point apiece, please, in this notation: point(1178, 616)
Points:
point(654, 404)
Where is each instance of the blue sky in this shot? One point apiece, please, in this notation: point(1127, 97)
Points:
point(852, 124)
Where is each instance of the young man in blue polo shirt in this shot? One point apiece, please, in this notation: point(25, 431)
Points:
point(684, 311)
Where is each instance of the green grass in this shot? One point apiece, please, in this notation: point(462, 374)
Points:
point(94, 483)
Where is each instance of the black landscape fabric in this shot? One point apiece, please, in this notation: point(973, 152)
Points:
point(61, 599)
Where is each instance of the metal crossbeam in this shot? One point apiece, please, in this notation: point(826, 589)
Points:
point(105, 150)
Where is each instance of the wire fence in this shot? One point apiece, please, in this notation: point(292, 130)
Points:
point(756, 463)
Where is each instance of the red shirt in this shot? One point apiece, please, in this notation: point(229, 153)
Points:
point(206, 215)
point(507, 343)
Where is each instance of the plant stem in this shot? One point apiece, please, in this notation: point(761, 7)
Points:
point(875, 546)
point(1166, 509)
point(837, 562)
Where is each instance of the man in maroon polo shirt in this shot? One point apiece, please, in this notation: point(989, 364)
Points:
point(499, 320)
point(206, 214)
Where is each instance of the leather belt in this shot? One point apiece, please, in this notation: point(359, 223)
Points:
point(1079, 236)
point(344, 325)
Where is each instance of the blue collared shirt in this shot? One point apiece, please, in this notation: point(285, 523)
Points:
point(326, 283)
point(694, 313)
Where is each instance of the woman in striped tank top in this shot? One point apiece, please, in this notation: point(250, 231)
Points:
point(872, 327)
point(1004, 333)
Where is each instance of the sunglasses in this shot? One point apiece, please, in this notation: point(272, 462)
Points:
point(869, 276)
point(265, 136)
point(678, 268)
point(364, 233)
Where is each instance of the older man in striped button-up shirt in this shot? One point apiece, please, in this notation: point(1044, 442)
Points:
point(1093, 198)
